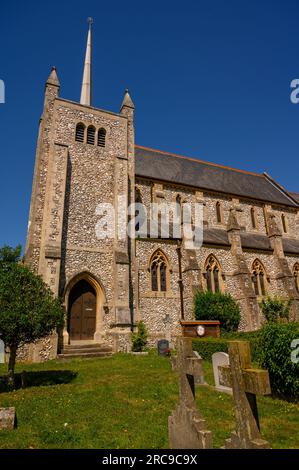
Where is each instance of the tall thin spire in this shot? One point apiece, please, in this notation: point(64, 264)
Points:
point(86, 82)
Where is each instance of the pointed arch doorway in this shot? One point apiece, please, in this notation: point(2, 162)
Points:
point(82, 311)
point(84, 300)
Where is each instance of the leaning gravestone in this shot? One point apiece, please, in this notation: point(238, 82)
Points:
point(186, 427)
point(163, 347)
point(2, 352)
point(7, 418)
point(220, 359)
point(246, 383)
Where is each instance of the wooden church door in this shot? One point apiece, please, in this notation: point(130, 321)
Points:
point(82, 317)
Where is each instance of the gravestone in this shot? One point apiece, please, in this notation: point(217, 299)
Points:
point(7, 418)
point(2, 352)
point(163, 347)
point(186, 427)
point(246, 383)
point(199, 379)
point(220, 359)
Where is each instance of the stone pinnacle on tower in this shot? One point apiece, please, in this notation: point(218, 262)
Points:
point(53, 79)
point(86, 82)
point(127, 101)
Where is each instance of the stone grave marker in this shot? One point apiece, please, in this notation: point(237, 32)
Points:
point(7, 418)
point(246, 383)
point(220, 359)
point(2, 352)
point(199, 379)
point(186, 427)
point(163, 347)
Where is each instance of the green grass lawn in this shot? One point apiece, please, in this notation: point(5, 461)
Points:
point(123, 402)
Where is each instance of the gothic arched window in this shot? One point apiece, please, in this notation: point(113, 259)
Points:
point(80, 132)
point(218, 213)
point(101, 137)
point(213, 274)
point(284, 223)
point(253, 217)
point(138, 197)
point(138, 200)
point(178, 202)
point(159, 272)
point(296, 276)
point(91, 131)
point(259, 279)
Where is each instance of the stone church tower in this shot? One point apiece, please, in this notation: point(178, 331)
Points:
point(87, 156)
point(71, 177)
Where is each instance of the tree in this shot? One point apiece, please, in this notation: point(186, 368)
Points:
point(9, 254)
point(217, 306)
point(139, 340)
point(28, 309)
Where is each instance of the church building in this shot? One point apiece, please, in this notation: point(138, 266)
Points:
point(87, 156)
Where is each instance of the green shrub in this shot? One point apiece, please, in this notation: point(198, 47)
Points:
point(276, 309)
point(275, 356)
point(217, 306)
point(206, 347)
point(139, 340)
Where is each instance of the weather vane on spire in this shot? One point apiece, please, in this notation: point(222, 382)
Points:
point(90, 21)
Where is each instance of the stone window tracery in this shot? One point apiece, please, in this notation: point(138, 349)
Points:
point(213, 274)
point(159, 272)
point(259, 279)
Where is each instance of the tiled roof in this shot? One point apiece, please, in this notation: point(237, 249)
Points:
point(155, 164)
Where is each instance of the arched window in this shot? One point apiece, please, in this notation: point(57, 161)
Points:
point(159, 272)
point(91, 131)
point(213, 274)
point(259, 279)
point(253, 217)
point(138, 200)
point(178, 201)
point(80, 132)
point(101, 137)
point(296, 276)
point(138, 197)
point(218, 213)
point(284, 223)
point(179, 210)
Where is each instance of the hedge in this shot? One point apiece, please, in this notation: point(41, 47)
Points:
point(206, 347)
point(276, 357)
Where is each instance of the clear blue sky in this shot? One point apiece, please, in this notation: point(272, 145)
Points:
point(210, 79)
